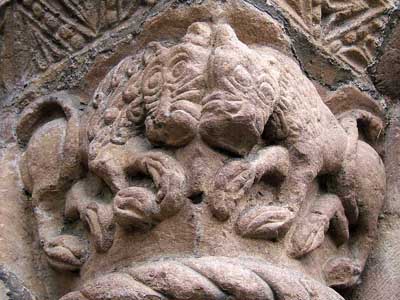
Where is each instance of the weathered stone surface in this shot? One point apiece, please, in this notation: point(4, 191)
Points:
point(348, 30)
point(179, 149)
point(387, 69)
point(382, 275)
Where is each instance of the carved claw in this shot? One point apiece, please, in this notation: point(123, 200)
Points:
point(135, 207)
point(309, 232)
point(232, 183)
point(168, 178)
point(341, 272)
point(267, 222)
point(100, 220)
point(307, 235)
point(65, 252)
point(235, 179)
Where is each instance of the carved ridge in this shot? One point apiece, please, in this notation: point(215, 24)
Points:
point(211, 278)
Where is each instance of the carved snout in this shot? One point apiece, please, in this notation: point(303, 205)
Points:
point(229, 123)
point(173, 124)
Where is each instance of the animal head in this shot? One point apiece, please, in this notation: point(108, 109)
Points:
point(242, 91)
point(211, 83)
point(174, 82)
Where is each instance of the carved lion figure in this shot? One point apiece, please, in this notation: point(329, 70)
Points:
point(209, 117)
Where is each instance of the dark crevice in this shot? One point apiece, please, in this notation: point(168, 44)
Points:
point(197, 198)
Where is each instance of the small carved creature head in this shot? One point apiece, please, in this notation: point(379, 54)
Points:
point(173, 86)
point(242, 92)
point(211, 83)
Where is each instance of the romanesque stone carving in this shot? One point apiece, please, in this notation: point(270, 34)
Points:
point(204, 278)
point(348, 30)
point(213, 149)
point(60, 28)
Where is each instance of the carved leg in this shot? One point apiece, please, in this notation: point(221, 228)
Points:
point(309, 232)
point(304, 168)
point(234, 180)
point(369, 187)
point(295, 187)
point(345, 185)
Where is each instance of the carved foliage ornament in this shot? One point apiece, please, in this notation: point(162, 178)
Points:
point(60, 28)
point(348, 30)
point(275, 165)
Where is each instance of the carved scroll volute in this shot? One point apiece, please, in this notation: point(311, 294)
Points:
point(349, 103)
point(49, 128)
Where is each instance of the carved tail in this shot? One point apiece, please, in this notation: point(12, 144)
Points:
point(360, 185)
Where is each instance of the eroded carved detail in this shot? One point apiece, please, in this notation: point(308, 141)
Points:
point(205, 278)
point(268, 139)
point(349, 30)
point(60, 28)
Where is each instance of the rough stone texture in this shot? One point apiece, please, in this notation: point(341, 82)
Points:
point(198, 150)
point(386, 70)
point(382, 274)
point(347, 30)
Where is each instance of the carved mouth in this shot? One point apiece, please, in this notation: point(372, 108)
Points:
point(62, 257)
point(220, 103)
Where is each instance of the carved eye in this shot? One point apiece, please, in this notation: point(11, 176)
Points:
point(242, 77)
point(153, 81)
point(267, 90)
point(178, 67)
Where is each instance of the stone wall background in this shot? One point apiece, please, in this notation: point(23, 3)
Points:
point(35, 59)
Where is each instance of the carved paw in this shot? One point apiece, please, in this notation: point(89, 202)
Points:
point(99, 218)
point(232, 183)
point(135, 207)
point(66, 253)
point(266, 222)
point(308, 233)
point(341, 272)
